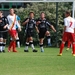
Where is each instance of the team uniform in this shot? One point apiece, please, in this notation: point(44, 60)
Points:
point(12, 28)
point(68, 33)
point(3, 32)
point(29, 30)
point(43, 27)
point(30, 27)
point(11, 20)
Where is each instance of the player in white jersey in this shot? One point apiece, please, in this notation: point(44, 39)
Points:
point(69, 32)
point(12, 18)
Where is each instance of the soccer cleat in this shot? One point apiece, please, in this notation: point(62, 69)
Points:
point(59, 54)
point(42, 50)
point(0, 51)
point(67, 49)
point(34, 50)
point(73, 54)
point(26, 51)
point(3, 51)
point(14, 50)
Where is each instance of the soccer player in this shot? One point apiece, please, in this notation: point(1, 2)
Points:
point(3, 31)
point(69, 32)
point(42, 24)
point(17, 36)
point(12, 18)
point(30, 25)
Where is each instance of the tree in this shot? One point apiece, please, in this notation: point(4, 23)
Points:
point(50, 10)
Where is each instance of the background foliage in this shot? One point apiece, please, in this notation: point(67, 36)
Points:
point(50, 10)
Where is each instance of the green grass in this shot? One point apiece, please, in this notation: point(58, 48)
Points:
point(47, 63)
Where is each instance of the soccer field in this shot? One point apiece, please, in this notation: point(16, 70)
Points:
point(47, 63)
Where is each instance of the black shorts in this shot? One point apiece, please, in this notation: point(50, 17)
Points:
point(29, 34)
point(3, 35)
point(42, 33)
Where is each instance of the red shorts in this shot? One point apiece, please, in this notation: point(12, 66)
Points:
point(68, 36)
point(12, 33)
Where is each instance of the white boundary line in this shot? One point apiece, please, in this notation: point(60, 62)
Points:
point(36, 0)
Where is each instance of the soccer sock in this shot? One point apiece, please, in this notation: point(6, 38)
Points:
point(69, 43)
point(11, 44)
point(14, 46)
point(49, 39)
point(31, 43)
point(1, 46)
point(61, 48)
point(73, 48)
point(18, 42)
point(41, 46)
point(26, 47)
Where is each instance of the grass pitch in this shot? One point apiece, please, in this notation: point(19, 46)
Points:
point(47, 63)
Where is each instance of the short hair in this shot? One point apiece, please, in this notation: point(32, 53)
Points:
point(31, 12)
point(43, 12)
point(68, 12)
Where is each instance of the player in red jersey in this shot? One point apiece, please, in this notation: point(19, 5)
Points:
point(69, 32)
point(12, 18)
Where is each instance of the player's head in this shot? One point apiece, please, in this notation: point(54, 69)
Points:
point(42, 15)
point(67, 13)
point(1, 13)
point(31, 14)
point(11, 11)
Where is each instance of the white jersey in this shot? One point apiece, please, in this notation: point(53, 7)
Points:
point(69, 22)
point(11, 20)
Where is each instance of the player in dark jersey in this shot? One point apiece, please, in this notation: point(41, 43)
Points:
point(3, 31)
point(43, 24)
point(30, 24)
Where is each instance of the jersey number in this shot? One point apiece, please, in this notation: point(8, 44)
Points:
point(71, 24)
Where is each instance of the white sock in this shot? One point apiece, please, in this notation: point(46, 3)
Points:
point(42, 48)
point(1, 46)
point(31, 43)
point(32, 46)
point(26, 47)
point(49, 39)
point(18, 44)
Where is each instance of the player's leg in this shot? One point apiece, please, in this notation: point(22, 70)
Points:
point(26, 45)
point(41, 44)
point(65, 35)
point(4, 44)
point(5, 34)
point(13, 42)
point(1, 41)
point(10, 45)
point(18, 41)
point(68, 45)
point(41, 39)
point(48, 38)
point(31, 44)
point(73, 44)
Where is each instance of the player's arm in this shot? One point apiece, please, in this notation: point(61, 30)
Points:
point(37, 29)
point(25, 22)
point(6, 23)
point(19, 26)
point(52, 27)
point(38, 22)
